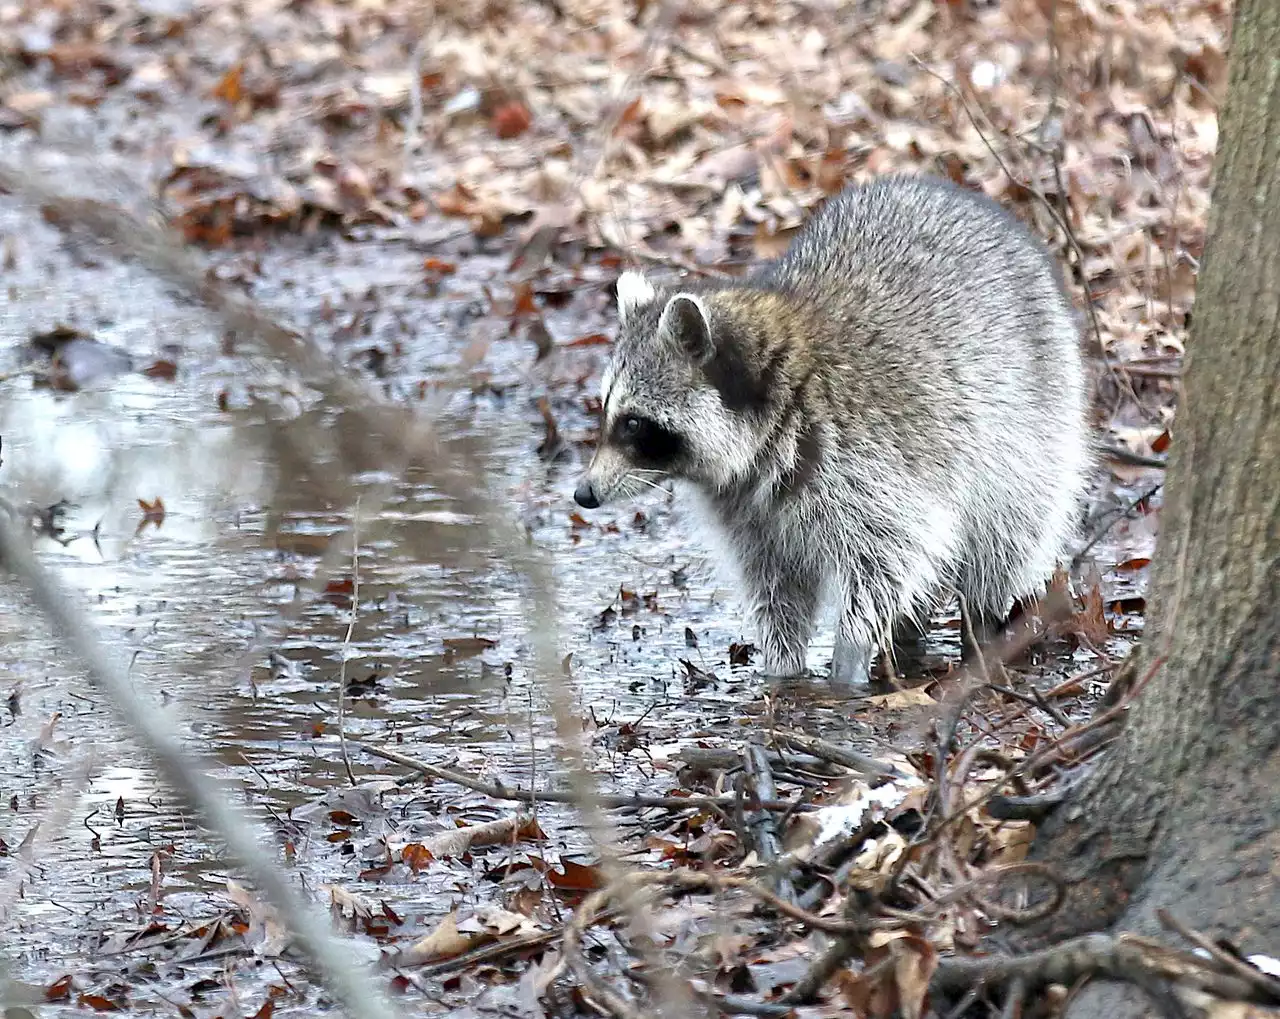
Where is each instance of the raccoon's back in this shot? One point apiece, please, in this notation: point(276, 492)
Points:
point(938, 299)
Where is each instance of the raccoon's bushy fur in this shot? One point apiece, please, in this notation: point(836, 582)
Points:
point(896, 409)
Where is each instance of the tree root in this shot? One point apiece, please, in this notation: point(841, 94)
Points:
point(1158, 970)
point(1124, 957)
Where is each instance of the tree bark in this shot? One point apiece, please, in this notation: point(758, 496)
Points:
point(1185, 813)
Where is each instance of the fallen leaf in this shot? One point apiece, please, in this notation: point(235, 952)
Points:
point(416, 856)
point(348, 904)
point(152, 512)
point(459, 841)
point(901, 699)
point(576, 877)
point(444, 942)
point(230, 87)
point(98, 1003)
point(465, 647)
point(511, 119)
point(59, 990)
point(162, 369)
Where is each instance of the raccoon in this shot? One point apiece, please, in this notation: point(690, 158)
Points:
point(893, 411)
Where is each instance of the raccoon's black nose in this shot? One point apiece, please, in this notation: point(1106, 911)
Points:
point(585, 496)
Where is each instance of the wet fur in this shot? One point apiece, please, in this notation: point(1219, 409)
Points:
point(895, 409)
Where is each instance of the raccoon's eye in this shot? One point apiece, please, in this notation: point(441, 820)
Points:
point(650, 444)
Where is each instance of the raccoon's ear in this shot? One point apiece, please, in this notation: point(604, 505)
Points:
point(633, 291)
point(684, 322)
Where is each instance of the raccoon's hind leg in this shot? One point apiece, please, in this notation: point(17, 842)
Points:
point(856, 641)
point(851, 662)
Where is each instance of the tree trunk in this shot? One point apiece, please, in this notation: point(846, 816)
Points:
point(1185, 813)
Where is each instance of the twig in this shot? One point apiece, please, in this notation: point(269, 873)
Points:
point(835, 754)
point(995, 910)
point(414, 124)
point(1268, 987)
point(837, 954)
point(1116, 517)
point(764, 827)
point(346, 642)
point(491, 953)
point(671, 882)
point(337, 965)
point(605, 800)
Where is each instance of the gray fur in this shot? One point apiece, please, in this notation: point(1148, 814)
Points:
point(894, 410)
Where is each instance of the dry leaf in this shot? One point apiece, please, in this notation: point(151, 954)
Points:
point(459, 841)
point(444, 942)
point(902, 699)
point(267, 932)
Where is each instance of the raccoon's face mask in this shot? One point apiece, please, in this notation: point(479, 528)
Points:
point(658, 418)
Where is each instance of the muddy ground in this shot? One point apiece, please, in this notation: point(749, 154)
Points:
point(431, 219)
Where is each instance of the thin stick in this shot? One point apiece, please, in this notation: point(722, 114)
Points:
point(604, 800)
point(346, 642)
point(835, 754)
point(1266, 984)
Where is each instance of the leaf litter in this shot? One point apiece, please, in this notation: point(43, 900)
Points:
point(571, 138)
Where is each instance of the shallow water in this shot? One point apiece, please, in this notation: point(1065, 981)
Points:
point(193, 602)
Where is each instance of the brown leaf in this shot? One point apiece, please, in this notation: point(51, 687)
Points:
point(591, 340)
point(511, 119)
point(416, 856)
point(98, 1003)
point(465, 647)
point(914, 962)
point(1091, 619)
point(230, 87)
point(152, 513)
point(576, 877)
point(340, 592)
point(523, 302)
point(267, 1010)
point(902, 699)
point(162, 369)
point(59, 990)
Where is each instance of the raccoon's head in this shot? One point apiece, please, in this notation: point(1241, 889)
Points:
point(672, 396)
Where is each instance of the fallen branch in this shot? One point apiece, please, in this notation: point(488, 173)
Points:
point(834, 754)
point(764, 827)
point(606, 800)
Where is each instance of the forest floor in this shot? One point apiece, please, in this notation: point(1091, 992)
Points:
point(438, 199)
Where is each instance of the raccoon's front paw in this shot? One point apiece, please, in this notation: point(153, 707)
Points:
point(783, 665)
